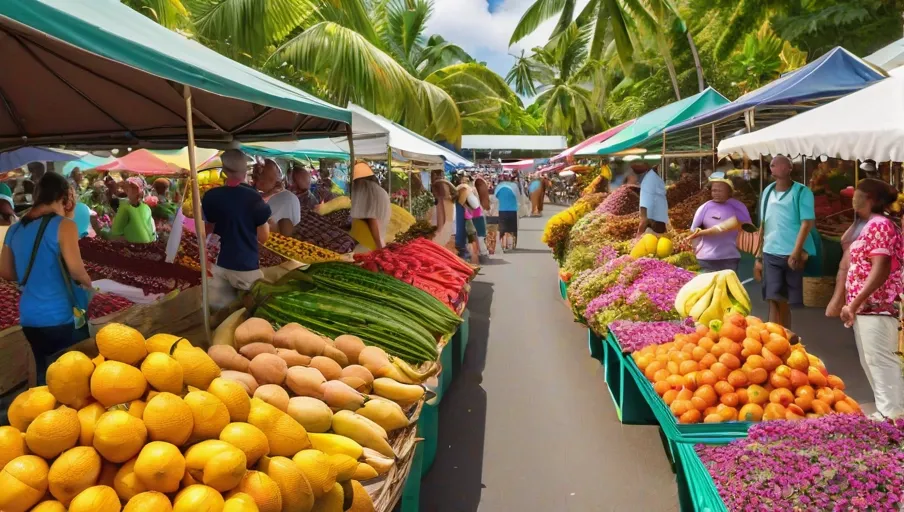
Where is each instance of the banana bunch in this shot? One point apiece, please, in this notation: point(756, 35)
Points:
point(712, 295)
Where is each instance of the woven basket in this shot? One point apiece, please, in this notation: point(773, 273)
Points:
point(386, 490)
point(818, 291)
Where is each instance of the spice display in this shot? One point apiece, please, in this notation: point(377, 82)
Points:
point(325, 231)
point(622, 201)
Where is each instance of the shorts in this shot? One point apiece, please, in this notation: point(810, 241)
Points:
point(225, 282)
point(480, 224)
point(508, 222)
point(780, 282)
point(656, 226)
point(717, 265)
point(493, 220)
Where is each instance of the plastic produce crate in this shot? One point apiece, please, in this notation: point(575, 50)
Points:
point(674, 432)
point(696, 490)
point(563, 289)
point(411, 494)
point(595, 346)
point(428, 429)
point(461, 336)
point(630, 404)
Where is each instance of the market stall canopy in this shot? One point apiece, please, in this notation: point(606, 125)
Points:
point(16, 158)
point(326, 150)
point(888, 57)
point(514, 142)
point(520, 165)
point(150, 162)
point(596, 139)
point(86, 162)
point(372, 135)
point(868, 124)
point(654, 123)
point(97, 72)
point(835, 74)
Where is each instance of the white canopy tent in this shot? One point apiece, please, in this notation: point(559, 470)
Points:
point(513, 142)
point(888, 57)
point(372, 135)
point(868, 124)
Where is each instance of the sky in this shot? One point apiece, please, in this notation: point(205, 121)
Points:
point(484, 27)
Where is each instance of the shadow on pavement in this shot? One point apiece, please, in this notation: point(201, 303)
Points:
point(455, 481)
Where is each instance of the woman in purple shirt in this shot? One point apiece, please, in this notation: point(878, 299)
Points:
point(715, 227)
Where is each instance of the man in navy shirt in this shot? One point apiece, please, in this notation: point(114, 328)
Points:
point(238, 214)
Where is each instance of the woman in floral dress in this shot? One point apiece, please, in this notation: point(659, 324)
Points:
point(873, 285)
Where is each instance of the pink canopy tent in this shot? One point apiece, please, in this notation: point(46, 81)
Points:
point(519, 165)
point(600, 137)
point(158, 162)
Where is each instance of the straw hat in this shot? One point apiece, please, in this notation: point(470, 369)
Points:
point(361, 170)
point(720, 177)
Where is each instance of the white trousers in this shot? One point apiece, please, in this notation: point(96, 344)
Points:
point(877, 342)
point(225, 282)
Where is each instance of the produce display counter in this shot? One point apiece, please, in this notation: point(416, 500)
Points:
point(596, 346)
point(696, 490)
point(387, 491)
point(630, 405)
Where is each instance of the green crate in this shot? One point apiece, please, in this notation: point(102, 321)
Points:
point(447, 355)
point(411, 494)
point(595, 346)
point(630, 405)
point(696, 490)
point(428, 429)
point(462, 334)
point(563, 289)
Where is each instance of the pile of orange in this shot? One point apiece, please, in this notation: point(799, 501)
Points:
point(741, 369)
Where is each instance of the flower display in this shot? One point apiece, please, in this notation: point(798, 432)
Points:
point(839, 462)
point(633, 336)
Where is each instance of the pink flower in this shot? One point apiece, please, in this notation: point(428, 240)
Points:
point(151, 201)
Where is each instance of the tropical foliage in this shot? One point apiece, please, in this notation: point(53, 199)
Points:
point(374, 53)
point(647, 53)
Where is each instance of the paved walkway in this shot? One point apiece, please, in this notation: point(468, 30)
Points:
point(528, 425)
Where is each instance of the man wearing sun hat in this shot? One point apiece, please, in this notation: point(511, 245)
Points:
point(715, 227)
point(654, 208)
point(370, 203)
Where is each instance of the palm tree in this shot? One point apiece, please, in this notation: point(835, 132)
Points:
point(169, 13)
point(561, 71)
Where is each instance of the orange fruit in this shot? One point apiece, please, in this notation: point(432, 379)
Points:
point(712, 418)
point(755, 361)
point(839, 395)
point(707, 361)
point(816, 378)
point(691, 416)
point(757, 395)
point(750, 412)
point(805, 391)
point(661, 387)
point(735, 349)
point(723, 387)
point(778, 345)
point(853, 403)
point(794, 414)
point(781, 396)
point(717, 350)
point(733, 332)
point(643, 361)
point(698, 353)
point(737, 378)
point(805, 402)
point(662, 357)
point(826, 396)
point(752, 332)
point(702, 329)
point(707, 377)
point(710, 410)
point(688, 348)
point(735, 319)
point(729, 399)
point(833, 381)
point(708, 394)
point(730, 361)
point(720, 370)
point(751, 347)
point(669, 396)
point(728, 413)
point(691, 380)
point(743, 397)
point(680, 407)
point(778, 381)
point(685, 394)
point(672, 367)
point(820, 407)
point(706, 344)
point(687, 367)
point(770, 360)
point(843, 407)
point(651, 370)
point(757, 376)
point(775, 328)
point(699, 403)
point(752, 320)
point(661, 375)
point(773, 412)
point(675, 381)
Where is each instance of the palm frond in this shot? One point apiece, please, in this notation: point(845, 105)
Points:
point(353, 14)
point(248, 26)
point(521, 76)
point(540, 11)
point(438, 53)
point(406, 20)
point(169, 13)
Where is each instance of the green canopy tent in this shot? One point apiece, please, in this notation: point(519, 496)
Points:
point(95, 73)
point(654, 123)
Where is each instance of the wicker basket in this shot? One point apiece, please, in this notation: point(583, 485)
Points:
point(818, 291)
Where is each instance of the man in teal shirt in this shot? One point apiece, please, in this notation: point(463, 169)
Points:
point(786, 218)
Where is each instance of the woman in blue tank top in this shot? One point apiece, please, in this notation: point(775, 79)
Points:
point(45, 305)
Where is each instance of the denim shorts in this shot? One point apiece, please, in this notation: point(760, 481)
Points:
point(780, 282)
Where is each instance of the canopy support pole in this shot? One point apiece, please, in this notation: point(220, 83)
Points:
point(856, 172)
point(410, 174)
point(714, 146)
point(700, 159)
point(351, 157)
point(662, 172)
point(196, 209)
point(389, 168)
point(761, 175)
point(803, 159)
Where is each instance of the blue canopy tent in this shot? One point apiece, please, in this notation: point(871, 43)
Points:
point(831, 76)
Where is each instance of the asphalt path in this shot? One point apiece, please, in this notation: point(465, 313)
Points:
point(528, 424)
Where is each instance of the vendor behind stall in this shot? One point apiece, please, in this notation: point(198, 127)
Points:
point(133, 220)
point(370, 203)
point(284, 206)
point(654, 207)
point(301, 187)
point(715, 227)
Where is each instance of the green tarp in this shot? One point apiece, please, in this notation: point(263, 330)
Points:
point(653, 123)
point(99, 68)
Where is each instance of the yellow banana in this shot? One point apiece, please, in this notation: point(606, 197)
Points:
point(385, 413)
point(714, 310)
point(701, 304)
point(363, 431)
point(698, 284)
point(333, 444)
point(398, 392)
point(695, 297)
point(432, 368)
point(377, 461)
point(737, 290)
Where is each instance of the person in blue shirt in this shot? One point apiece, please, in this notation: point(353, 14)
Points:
point(786, 217)
point(654, 208)
point(238, 214)
point(507, 195)
point(36, 264)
